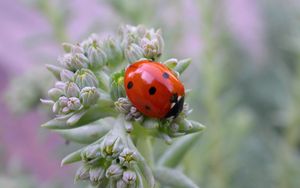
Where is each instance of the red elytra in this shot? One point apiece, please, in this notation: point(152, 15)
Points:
point(153, 89)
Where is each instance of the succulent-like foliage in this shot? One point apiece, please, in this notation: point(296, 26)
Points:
point(91, 107)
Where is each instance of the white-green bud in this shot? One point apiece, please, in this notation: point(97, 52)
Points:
point(82, 173)
point(74, 61)
point(74, 103)
point(96, 174)
point(72, 90)
point(117, 85)
point(65, 110)
point(111, 146)
point(115, 171)
point(133, 53)
point(55, 93)
point(60, 85)
point(63, 101)
point(97, 57)
point(129, 177)
point(85, 78)
point(121, 184)
point(113, 50)
point(66, 75)
point(127, 157)
point(123, 105)
point(55, 70)
point(89, 96)
point(91, 152)
point(150, 48)
point(55, 107)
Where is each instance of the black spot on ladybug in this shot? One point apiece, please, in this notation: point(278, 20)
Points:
point(165, 75)
point(174, 98)
point(152, 90)
point(129, 85)
point(176, 109)
point(147, 107)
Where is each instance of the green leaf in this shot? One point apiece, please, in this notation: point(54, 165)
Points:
point(72, 157)
point(196, 127)
point(173, 178)
point(75, 118)
point(101, 110)
point(55, 124)
point(176, 152)
point(88, 133)
point(171, 63)
point(182, 65)
point(76, 155)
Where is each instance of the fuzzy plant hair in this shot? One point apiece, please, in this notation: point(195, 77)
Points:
point(91, 108)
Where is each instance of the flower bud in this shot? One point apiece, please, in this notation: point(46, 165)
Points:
point(82, 173)
point(129, 177)
point(66, 75)
point(123, 105)
point(67, 47)
point(60, 85)
point(133, 53)
point(55, 70)
point(72, 90)
point(77, 49)
point(63, 101)
point(55, 107)
point(85, 78)
point(55, 93)
point(113, 50)
point(96, 174)
point(91, 152)
point(74, 103)
point(114, 171)
point(65, 110)
point(111, 147)
point(121, 184)
point(152, 44)
point(150, 48)
point(97, 57)
point(127, 157)
point(74, 61)
point(89, 96)
point(117, 85)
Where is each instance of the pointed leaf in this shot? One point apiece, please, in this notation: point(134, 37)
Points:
point(182, 65)
point(177, 150)
point(55, 124)
point(173, 178)
point(88, 133)
point(75, 118)
point(72, 157)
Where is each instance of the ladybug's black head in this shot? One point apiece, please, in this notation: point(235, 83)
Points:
point(176, 106)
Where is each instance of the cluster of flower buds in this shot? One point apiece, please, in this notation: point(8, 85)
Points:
point(111, 161)
point(90, 90)
point(139, 42)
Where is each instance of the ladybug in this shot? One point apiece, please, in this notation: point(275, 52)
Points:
point(154, 89)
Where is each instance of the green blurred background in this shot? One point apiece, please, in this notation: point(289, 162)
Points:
point(245, 81)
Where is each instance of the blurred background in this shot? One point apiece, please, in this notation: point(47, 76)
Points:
point(245, 81)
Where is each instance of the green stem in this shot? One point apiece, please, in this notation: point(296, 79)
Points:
point(144, 146)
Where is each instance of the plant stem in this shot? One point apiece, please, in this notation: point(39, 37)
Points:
point(144, 146)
